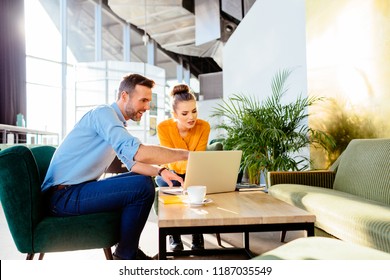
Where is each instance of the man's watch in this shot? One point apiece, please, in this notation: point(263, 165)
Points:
point(161, 170)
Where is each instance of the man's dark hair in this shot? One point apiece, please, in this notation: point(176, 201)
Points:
point(129, 82)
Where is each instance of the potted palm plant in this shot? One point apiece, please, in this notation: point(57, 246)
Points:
point(272, 135)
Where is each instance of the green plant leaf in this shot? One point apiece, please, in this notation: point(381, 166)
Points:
point(271, 134)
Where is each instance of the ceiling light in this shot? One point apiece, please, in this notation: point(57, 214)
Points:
point(229, 28)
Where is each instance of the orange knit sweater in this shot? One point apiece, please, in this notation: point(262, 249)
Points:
point(195, 140)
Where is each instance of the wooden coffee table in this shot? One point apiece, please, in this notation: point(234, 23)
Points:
point(231, 212)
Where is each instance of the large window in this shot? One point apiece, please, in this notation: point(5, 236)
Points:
point(43, 65)
point(84, 82)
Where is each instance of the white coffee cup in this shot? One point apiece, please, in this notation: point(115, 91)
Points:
point(196, 194)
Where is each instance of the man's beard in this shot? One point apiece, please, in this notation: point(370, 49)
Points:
point(133, 115)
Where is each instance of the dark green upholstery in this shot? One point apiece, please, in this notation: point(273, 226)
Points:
point(22, 171)
point(42, 156)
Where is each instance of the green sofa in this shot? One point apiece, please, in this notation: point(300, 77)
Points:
point(352, 202)
point(322, 248)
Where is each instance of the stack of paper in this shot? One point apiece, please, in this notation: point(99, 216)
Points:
point(171, 199)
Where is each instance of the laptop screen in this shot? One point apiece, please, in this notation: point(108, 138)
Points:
point(217, 170)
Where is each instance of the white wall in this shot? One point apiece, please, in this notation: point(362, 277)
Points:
point(270, 37)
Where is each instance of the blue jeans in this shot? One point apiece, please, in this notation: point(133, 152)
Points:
point(131, 193)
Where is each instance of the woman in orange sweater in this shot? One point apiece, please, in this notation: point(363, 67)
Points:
point(184, 131)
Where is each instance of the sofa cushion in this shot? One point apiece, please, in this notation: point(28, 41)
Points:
point(343, 215)
point(321, 248)
point(56, 234)
point(364, 170)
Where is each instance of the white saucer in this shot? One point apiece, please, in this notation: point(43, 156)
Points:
point(205, 201)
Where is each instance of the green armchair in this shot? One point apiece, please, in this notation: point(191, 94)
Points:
point(22, 171)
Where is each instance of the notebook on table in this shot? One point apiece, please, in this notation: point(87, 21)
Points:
point(217, 170)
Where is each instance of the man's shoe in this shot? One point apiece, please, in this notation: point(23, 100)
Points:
point(175, 243)
point(197, 242)
point(142, 256)
point(116, 258)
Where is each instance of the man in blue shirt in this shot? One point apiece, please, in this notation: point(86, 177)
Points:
point(72, 181)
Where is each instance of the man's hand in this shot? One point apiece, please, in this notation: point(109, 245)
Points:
point(151, 170)
point(168, 176)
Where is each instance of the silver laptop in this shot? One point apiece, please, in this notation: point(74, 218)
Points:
point(217, 170)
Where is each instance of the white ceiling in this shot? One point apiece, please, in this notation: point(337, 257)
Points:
point(170, 23)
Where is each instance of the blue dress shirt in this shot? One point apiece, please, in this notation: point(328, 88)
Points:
point(90, 147)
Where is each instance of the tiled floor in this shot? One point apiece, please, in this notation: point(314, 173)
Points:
point(259, 243)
